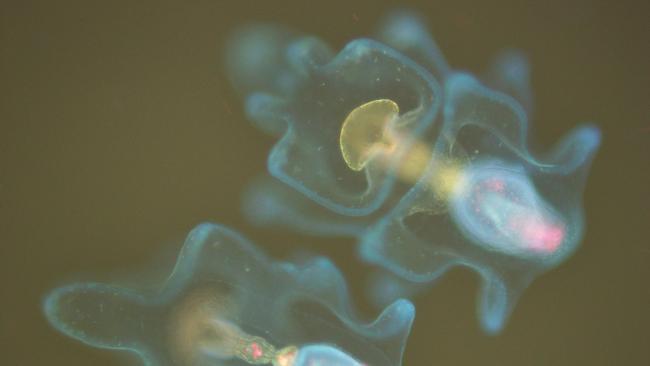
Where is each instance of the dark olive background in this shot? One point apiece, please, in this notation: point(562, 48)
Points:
point(119, 133)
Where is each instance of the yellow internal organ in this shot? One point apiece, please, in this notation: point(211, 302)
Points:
point(363, 131)
point(200, 329)
point(198, 326)
point(368, 133)
point(286, 356)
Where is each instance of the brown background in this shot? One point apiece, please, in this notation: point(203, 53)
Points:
point(118, 133)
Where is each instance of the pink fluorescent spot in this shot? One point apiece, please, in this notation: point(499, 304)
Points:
point(538, 235)
point(255, 350)
point(496, 185)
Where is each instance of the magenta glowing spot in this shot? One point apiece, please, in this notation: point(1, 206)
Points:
point(498, 206)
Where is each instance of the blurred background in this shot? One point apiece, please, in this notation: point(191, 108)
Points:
point(119, 133)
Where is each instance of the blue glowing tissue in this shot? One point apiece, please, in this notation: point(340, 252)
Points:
point(428, 167)
point(225, 303)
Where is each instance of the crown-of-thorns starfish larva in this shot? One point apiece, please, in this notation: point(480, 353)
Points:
point(225, 303)
point(429, 167)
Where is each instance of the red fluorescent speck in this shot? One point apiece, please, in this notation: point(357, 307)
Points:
point(255, 350)
point(496, 185)
point(540, 236)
